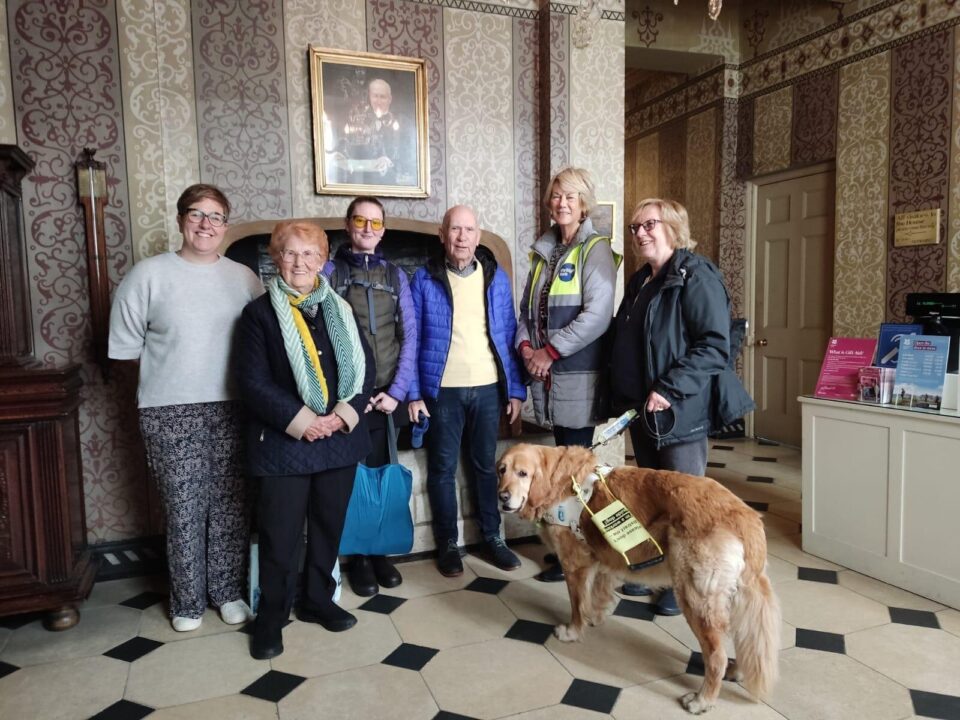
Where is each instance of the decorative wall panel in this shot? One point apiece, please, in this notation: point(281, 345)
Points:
point(771, 131)
point(701, 178)
point(527, 192)
point(559, 92)
point(479, 112)
point(648, 172)
point(330, 24)
point(693, 96)
point(412, 29)
point(743, 126)
point(596, 118)
point(673, 148)
point(861, 206)
point(953, 234)
point(241, 105)
point(160, 127)
point(733, 195)
point(66, 97)
point(8, 124)
point(921, 84)
point(815, 119)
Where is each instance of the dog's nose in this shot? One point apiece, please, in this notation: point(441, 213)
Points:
point(504, 497)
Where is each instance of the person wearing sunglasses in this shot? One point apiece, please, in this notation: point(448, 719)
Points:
point(671, 338)
point(175, 314)
point(565, 310)
point(379, 293)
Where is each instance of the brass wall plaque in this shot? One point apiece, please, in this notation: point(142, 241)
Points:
point(916, 228)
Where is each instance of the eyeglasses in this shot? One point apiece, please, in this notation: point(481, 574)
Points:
point(360, 222)
point(308, 256)
point(647, 226)
point(196, 217)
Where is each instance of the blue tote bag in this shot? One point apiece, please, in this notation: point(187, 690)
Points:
point(378, 517)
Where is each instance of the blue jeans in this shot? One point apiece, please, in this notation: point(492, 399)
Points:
point(476, 410)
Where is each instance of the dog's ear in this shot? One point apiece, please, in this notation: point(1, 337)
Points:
point(577, 462)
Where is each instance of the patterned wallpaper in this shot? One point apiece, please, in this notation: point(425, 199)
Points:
point(178, 91)
point(863, 158)
point(898, 146)
point(701, 153)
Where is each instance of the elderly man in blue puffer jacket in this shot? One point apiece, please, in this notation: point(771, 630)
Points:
point(468, 372)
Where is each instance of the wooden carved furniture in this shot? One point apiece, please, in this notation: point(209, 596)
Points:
point(92, 192)
point(44, 561)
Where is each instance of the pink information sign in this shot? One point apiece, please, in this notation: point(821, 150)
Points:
point(840, 371)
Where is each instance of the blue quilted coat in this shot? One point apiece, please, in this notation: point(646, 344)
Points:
point(432, 301)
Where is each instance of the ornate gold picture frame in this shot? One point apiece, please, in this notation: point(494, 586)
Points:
point(370, 134)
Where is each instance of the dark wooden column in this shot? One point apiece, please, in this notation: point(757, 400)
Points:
point(44, 561)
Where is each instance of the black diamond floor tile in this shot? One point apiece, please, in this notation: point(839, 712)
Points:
point(144, 600)
point(7, 668)
point(817, 575)
point(761, 458)
point(635, 610)
point(763, 441)
point(758, 506)
point(716, 465)
point(825, 641)
point(935, 705)
point(133, 649)
point(273, 686)
point(444, 715)
point(248, 628)
point(123, 710)
point(15, 622)
point(490, 586)
point(410, 657)
point(724, 447)
point(529, 631)
point(920, 618)
point(591, 696)
point(695, 665)
point(381, 603)
point(759, 478)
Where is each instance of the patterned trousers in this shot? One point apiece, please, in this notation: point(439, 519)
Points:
point(194, 455)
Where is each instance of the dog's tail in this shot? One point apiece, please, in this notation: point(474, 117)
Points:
point(756, 635)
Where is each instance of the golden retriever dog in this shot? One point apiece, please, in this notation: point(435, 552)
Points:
point(714, 545)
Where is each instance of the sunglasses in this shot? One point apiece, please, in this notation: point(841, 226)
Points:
point(360, 222)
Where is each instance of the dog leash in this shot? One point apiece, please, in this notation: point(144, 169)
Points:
point(619, 527)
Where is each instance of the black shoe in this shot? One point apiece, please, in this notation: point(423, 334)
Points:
point(554, 573)
point(632, 589)
point(387, 575)
point(500, 555)
point(667, 603)
point(448, 561)
point(551, 559)
point(266, 642)
point(361, 577)
point(332, 617)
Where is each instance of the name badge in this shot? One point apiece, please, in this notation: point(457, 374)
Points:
point(567, 271)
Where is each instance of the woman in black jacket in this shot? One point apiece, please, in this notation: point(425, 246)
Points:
point(305, 376)
point(671, 337)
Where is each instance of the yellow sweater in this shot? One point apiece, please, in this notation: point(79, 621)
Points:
point(470, 361)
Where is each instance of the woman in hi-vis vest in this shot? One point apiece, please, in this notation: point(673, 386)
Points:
point(565, 310)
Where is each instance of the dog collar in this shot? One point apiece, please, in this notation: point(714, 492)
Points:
point(567, 512)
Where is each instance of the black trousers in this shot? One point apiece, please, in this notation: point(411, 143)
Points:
point(285, 501)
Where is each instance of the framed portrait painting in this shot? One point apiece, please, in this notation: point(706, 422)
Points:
point(369, 124)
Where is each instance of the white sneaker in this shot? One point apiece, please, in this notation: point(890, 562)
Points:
point(182, 624)
point(235, 612)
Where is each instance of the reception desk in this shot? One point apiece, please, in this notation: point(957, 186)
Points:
point(881, 493)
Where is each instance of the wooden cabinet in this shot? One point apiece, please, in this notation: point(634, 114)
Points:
point(44, 561)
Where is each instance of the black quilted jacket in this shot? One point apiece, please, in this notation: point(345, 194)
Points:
point(269, 393)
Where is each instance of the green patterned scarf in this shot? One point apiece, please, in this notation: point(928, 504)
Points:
point(301, 350)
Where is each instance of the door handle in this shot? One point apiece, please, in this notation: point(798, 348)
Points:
point(762, 342)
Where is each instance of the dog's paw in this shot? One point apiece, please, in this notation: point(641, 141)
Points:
point(693, 704)
point(566, 633)
point(733, 672)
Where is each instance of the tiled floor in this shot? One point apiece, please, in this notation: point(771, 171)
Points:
point(480, 646)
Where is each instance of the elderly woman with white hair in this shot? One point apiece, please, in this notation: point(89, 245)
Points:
point(565, 310)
